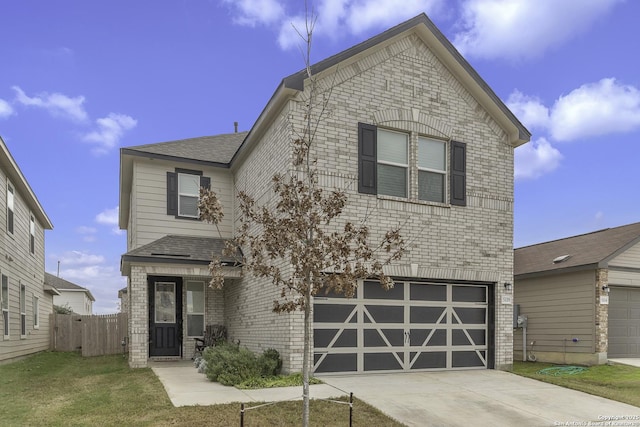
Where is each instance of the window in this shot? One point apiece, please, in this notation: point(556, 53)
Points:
point(32, 235)
point(5, 304)
point(195, 309)
point(432, 170)
point(23, 311)
point(393, 163)
point(183, 192)
point(36, 312)
point(188, 194)
point(10, 208)
point(385, 166)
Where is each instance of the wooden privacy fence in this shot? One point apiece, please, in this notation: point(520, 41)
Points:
point(92, 335)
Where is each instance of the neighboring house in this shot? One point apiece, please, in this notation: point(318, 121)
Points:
point(78, 299)
point(123, 296)
point(581, 296)
point(415, 137)
point(25, 299)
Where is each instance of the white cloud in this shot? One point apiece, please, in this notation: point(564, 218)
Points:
point(334, 17)
point(110, 130)
point(56, 104)
point(529, 110)
point(110, 217)
point(5, 109)
point(253, 12)
point(79, 258)
point(535, 159)
point(522, 29)
point(596, 109)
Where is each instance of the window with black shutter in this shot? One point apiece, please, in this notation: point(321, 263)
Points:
point(183, 192)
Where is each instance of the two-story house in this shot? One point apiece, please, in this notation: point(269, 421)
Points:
point(25, 299)
point(80, 300)
point(415, 137)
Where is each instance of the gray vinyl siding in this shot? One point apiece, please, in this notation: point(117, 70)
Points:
point(559, 308)
point(149, 203)
point(624, 277)
point(629, 258)
point(22, 267)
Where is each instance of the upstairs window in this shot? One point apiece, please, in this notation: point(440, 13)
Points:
point(393, 163)
point(432, 169)
point(32, 235)
point(10, 208)
point(385, 166)
point(183, 192)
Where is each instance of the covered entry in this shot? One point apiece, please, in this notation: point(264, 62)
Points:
point(624, 322)
point(165, 316)
point(414, 326)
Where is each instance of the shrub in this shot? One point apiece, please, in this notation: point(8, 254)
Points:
point(270, 363)
point(229, 364)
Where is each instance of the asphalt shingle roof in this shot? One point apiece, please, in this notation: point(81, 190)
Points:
point(585, 249)
point(216, 149)
point(174, 248)
point(64, 285)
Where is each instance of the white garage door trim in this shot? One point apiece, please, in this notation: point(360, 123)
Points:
point(415, 326)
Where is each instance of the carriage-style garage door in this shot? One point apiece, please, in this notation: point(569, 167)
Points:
point(624, 322)
point(414, 326)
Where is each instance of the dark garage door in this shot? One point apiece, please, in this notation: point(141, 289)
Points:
point(624, 322)
point(414, 326)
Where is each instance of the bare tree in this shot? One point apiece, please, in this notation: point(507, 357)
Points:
point(298, 227)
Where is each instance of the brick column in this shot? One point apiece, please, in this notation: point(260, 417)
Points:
point(602, 312)
point(138, 318)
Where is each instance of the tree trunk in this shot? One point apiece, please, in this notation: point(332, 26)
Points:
point(306, 368)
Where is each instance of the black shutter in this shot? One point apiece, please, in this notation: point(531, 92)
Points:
point(367, 158)
point(458, 173)
point(205, 182)
point(172, 193)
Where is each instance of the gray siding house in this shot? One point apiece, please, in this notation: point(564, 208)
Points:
point(77, 298)
point(414, 136)
point(581, 296)
point(25, 299)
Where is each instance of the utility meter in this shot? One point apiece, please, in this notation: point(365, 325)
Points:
point(522, 321)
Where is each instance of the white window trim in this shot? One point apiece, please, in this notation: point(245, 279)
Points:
point(197, 195)
point(204, 296)
point(7, 325)
point(444, 172)
point(407, 166)
point(11, 189)
point(32, 234)
point(36, 312)
point(23, 310)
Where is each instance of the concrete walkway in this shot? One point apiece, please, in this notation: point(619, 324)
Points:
point(187, 387)
point(454, 398)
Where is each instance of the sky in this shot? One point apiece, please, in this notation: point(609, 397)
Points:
point(80, 79)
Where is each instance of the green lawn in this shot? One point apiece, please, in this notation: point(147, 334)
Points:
point(616, 382)
point(64, 389)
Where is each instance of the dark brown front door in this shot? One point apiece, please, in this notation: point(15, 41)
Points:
point(165, 316)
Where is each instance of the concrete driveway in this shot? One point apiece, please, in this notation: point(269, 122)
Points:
point(482, 398)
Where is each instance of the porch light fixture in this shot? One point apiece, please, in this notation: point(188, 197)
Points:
point(508, 286)
point(606, 289)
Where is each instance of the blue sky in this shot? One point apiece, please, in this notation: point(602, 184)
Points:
point(79, 79)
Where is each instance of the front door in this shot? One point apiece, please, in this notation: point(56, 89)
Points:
point(165, 316)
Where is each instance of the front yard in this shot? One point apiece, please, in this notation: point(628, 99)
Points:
point(64, 389)
point(615, 382)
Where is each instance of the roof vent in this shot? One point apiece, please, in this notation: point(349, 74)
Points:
point(561, 258)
